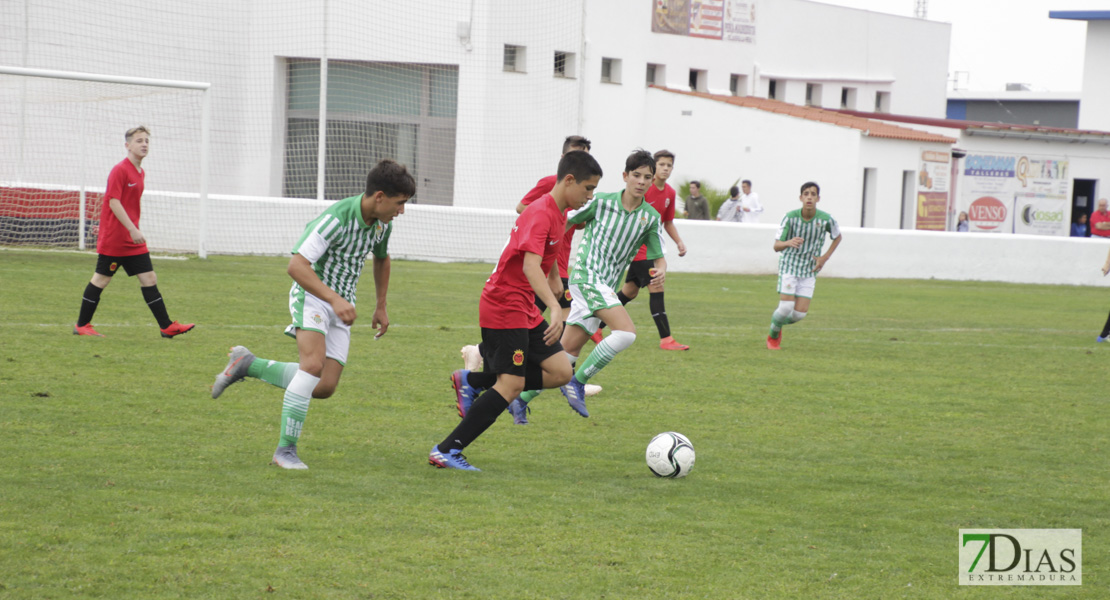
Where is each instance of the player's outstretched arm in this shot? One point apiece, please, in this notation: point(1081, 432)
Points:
point(821, 260)
point(673, 232)
point(301, 271)
point(382, 268)
point(117, 209)
point(533, 270)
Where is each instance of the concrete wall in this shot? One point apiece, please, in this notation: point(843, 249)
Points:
point(1094, 109)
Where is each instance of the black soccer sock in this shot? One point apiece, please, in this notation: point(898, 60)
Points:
point(659, 313)
point(89, 301)
point(481, 380)
point(154, 302)
point(624, 299)
point(533, 377)
point(1105, 328)
point(481, 415)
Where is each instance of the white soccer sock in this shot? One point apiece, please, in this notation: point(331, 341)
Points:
point(796, 316)
point(781, 316)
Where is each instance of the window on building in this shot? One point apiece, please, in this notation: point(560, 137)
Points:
point(882, 102)
point(514, 58)
point(813, 94)
point(699, 80)
point(376, 110)
point(565, 63)
point(610, 70)
point(738, 85)
point(848, 98)
point(772, 89)
point(656, 74)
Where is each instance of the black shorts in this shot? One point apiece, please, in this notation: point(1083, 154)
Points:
point(511, 350)
point(639, 272)
point(134, 265)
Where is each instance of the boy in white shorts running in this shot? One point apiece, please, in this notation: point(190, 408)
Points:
point(326, 265)
point(801, 237)
point(617, 225)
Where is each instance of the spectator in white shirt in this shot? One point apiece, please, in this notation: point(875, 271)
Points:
point(730, 209)
point(749, 204)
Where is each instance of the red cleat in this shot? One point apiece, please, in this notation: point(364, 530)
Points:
point(176, 328)
point(86, 329)
point(773, 343)
point(597, 337)
point(668, 343)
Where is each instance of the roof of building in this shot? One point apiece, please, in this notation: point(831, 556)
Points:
point(1080, 15)
point(982, 125)
point(869, 127)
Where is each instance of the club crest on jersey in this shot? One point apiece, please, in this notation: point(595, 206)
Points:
point(518, 358)
point(112, 267)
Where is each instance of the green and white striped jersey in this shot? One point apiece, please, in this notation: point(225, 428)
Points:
point(802, 262)
point(337, 244)
point(612, 237)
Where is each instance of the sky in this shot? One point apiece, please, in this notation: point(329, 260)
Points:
point(995, 42)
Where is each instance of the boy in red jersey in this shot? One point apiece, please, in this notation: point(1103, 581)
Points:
point(120, 243)
point(521, 350)
point(661, 197)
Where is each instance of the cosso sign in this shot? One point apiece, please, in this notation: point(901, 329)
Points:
point(987, 213)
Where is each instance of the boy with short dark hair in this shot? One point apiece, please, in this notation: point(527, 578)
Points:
point(801, 237)
point(326, 265)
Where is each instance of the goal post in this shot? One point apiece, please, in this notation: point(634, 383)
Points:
point(63, 132)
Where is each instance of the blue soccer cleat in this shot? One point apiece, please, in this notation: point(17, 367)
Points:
point(451, 460)
point(464, 394)
point(575, 392)
point(519, 411)
point(1101, 339)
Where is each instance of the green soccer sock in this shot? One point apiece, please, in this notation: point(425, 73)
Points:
point(602, 355)
point(295, 407)
point(272, 372)
point(526, 397)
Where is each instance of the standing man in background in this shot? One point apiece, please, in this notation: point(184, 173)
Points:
point(730, 211)
point(749, 203)
point(697, 207)
point(1100, 220)
point(120, 243)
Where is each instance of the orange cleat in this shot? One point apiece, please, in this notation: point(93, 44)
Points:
point(86, 329)
point(668, 343)
point(773, 343)
point(176, 328)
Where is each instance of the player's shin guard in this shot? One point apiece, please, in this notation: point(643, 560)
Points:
point(481, 415)
point(604, 353)
point(796, 316)
point(272, 372)
point(659, 313)
point(89, 301)
point(157, 307)
point(295, 408)
point(781, 317)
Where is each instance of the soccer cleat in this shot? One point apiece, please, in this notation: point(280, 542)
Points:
point(592, 390)
point(597, 337)
point(176, 328)
point(1098, 339)
point(86, 329)
point(286, 458)
point(464, 394)
point(451, 460)
point(472, 357)
point(773, 343)
point(239, 360)
point(668, 343)
point(575, 392)
point(519, 411)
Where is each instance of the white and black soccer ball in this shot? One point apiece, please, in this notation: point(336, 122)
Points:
point(670, 454)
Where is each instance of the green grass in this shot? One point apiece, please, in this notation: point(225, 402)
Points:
point(841, 467)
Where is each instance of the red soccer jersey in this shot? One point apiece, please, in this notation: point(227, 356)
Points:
point(544, 187)
point(662, 200)
point(125, 183)
point(1096, 218)
point(508, 301)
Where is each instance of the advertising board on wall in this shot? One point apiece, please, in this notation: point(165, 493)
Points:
point(730, 20)
point(932, 190)
point(1010, 193)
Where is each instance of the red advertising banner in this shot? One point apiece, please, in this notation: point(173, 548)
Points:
point(931, 209)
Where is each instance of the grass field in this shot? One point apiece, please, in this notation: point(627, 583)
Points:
point(843, 466)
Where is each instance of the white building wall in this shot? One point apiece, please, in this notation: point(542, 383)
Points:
point(1094, 109)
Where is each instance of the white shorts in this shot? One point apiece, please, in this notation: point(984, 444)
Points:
point(792, 285)
point(585, 300)
point(313, 314)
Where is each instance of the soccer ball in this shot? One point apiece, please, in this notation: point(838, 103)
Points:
point(670, 454)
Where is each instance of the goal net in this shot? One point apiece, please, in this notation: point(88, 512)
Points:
point(475, 98)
